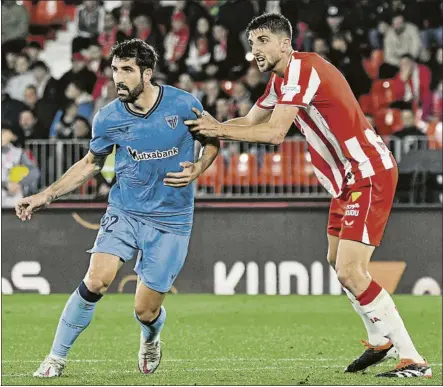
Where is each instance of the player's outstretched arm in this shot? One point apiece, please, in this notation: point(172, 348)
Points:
point(74, 177)
point(271, 132)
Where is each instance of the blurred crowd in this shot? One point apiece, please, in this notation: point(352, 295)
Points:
point(204, 50)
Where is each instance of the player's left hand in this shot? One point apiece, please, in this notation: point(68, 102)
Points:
point(181, 179)
point(205, 124)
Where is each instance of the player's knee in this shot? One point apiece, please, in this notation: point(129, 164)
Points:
point(349, 274)
point(332, 258)
point(97, 285)
point(145, 313)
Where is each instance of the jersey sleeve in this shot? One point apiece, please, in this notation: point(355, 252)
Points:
point(100, 144)
point(197, 104)
point(301, 84)
point(269, 98)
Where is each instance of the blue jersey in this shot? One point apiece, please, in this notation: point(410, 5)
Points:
point(147, 147)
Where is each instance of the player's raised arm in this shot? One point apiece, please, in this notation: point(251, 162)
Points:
point(74, 178)
point(271, 132)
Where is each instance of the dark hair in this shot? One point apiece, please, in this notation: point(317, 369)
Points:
point(144, 54)
point(273, 22)
point(84, 120)
point(40, 64)
point(401, 105)
point(409, 56)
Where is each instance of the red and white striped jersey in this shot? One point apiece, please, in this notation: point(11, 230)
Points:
point(344, 147)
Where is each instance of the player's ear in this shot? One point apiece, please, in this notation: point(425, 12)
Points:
point(286, 44)
point(147, 75)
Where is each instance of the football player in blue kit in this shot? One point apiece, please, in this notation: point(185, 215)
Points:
point(150, 206)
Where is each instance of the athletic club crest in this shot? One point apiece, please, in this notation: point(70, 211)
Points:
point(172, 121)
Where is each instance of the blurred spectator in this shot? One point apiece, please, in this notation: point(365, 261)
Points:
point(222, 112)
point(30, 127)
point(212, 94)
point(89, 19)
point(321, 48)
point(125, 29)
point(431, 23)
point(47, 86)
point(33, 50)
point(109, 93)
point(76, 91)
point(104, 74)
point(200, 49)
point(145, 30)
point(186, 83)
point(11, 108)
point(17, 84)
point(437, 102)
point(63, 125)
point(219, 64)
point(349, 62)
point(19, 174)
point(94, 56)
point(240, 92)
point(401, 38)
point(176, 44)
point(79, 71)
point(15, 25)
point(82, 130)
point(412, 84)
point(412, 136)
point(124, 10)
point(108, 37)
point(254, 83)
point(8, 64)
point(436, 66)
point(43, 109)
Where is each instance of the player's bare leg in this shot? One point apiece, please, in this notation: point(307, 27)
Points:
point(151, 315)
point(378, 347)
point(78, 311)
point(376, 303)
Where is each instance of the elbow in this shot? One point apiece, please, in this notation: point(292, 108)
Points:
point(277, 138)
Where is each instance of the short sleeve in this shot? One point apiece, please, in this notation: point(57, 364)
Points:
point(197, 104)
point(100, 145)
point(301, 84)
point(269, 98)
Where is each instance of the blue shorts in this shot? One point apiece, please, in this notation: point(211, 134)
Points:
point(161, 254)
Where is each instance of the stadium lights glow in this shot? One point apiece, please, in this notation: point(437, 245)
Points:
point(243, 158)
point(228, 85)
point(249, 57)
point(276, 158)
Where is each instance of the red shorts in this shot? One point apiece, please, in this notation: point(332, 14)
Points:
point(361, 212)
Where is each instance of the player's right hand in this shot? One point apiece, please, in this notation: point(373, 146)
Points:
point(27, 206)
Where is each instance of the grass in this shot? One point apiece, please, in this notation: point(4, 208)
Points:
point(214, 340)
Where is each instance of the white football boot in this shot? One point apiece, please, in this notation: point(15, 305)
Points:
point(51, 367)
point(149, 355)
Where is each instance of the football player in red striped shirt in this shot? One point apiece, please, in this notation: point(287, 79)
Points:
point(350, 160)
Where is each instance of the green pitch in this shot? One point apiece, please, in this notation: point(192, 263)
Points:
point(213, 340)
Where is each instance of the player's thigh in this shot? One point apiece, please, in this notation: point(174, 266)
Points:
point(368, 206)
point(147, 302)
point(117, 235)
point(162, 257)
point(333, 242)
point(102, 270)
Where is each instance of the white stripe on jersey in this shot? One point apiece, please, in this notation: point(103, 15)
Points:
point(323, 126)
point(325, 182)
point(272, 98)
point(356, 151)
point(314, 83)
point(292, 86)
point(321, 148)
point(381, 148)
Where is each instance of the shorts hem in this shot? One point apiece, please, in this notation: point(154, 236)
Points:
point(360, 241)
point(155, 288)
point(109, 251)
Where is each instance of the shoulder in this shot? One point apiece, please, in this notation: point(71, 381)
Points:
point(184, 98)
point(107, 114)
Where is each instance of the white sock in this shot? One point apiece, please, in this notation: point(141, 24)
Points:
point(375, 337)
point(383, 313)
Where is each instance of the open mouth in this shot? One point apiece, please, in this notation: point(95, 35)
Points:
point(260, 59)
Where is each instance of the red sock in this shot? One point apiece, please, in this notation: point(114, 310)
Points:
point(369, 294)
